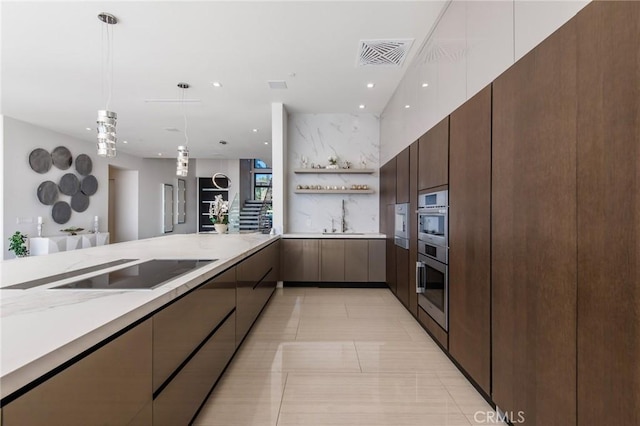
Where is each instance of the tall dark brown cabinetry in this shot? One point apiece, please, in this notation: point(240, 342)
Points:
point(470, 237)
point(402, 176)
point(413, 226)
point(609, 214)
point(434, 156)
point(402, 255)
point(534, 233)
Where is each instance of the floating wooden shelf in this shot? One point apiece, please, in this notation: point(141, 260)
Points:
point(336, 171)
point(333, 191)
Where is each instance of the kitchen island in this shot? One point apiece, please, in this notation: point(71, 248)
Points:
point(47, 330)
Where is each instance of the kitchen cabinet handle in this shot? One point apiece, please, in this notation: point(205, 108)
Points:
point(419, 266)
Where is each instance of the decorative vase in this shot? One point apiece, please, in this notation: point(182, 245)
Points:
point(332, 166)
point(221, 228)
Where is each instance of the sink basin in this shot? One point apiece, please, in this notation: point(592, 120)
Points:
point(343, 233)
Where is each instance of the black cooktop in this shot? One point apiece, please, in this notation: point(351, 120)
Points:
point(145, 275)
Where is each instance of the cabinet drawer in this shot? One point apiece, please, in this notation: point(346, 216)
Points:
point(182, 326)
point(179, 401)
point(108, 386)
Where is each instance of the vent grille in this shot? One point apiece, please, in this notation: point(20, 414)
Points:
point(383, 52)
point(277, 84)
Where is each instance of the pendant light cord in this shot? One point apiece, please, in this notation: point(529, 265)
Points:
point(107, 61)
point(184, 116)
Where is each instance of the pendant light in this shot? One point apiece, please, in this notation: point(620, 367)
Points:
point(107, 119)
point(183, 152)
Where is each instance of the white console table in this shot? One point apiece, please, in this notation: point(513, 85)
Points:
point(46, 245)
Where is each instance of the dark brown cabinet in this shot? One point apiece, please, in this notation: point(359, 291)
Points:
point(388, 183)
point(109, 386)
point(402, 275)
point(300, 260)
point(534, 233)
point(356, 261)
point(413, 226)
point(332, 260)
point(434, 156)
point(608, 214)
point(391, 247)
point(377, 261)
point(470, 237)
point(402, 177)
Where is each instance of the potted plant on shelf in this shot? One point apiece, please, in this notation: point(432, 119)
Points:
point(219, 214)
point(17, 244)
point(333, 162)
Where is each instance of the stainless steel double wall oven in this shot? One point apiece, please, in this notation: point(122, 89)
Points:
point(432, 267)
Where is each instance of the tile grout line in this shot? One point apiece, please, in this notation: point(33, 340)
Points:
point(286, 378)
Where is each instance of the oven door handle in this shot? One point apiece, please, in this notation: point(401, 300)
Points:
point(419, 267)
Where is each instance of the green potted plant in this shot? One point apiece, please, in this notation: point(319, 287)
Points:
point(17, 244)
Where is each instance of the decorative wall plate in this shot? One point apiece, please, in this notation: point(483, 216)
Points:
point(84, 165)
point(61, 157)
point(47, 192)
point(79, 202)
point(61, 212)
point(40, 160)
point(69, 184)
point(89, 185)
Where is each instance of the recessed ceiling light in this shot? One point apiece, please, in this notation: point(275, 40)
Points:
point(254, 130)
point(88, 129)
point(425, 84)
point(125, 141)
point(371, 85)
point(407, 106)
point(216, 84)
point(361, 106)
point(266, 143)
point(159, 154)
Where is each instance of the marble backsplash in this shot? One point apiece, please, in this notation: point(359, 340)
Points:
point(349, 137)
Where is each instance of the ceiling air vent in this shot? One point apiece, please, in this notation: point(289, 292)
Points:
point(383, 52)
point(277, 84)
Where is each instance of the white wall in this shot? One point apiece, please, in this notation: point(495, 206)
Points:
point(350, 137)
point(279, 167)
point(471, 45)
point(21, 183)
point(123, 205)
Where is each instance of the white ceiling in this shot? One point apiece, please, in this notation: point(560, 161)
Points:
point(52, 54)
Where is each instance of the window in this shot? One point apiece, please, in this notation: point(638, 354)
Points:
point(259, 164)
point(261, 182)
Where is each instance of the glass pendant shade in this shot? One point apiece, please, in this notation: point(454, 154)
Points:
point(107, 133)
point(183, 161)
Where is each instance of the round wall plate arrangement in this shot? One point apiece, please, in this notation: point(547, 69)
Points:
point(47, 193)
point(84, 165)
point(40, 160)
point(79, 202)
point(89, 185)
point(61, 212)
point(69, 184)
point(61, 157)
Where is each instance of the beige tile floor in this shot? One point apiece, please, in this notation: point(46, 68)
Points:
point(341, 357)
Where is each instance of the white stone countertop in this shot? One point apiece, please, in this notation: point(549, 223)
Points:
point(338, 235)
point(42, 328)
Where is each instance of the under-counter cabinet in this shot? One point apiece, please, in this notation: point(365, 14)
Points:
point(178, 332)
point(470, 238)
point(334, 260)
point(112, 386)
point(300, 260)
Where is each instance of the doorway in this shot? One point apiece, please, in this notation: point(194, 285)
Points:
point(123, 204)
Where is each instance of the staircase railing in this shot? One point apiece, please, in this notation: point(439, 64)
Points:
point(265, 218)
